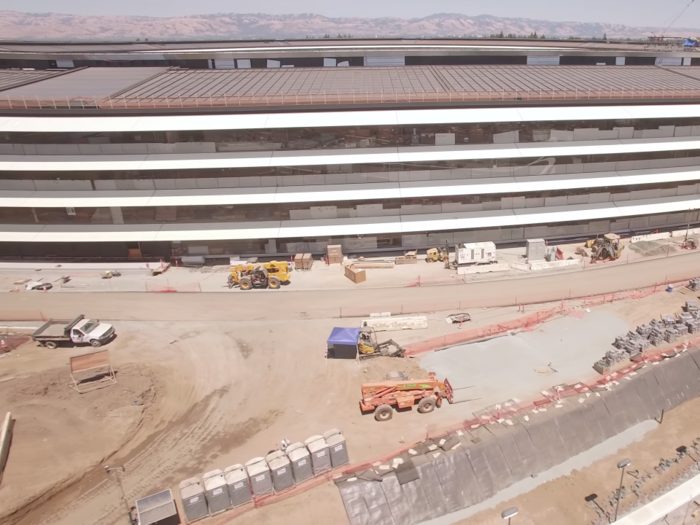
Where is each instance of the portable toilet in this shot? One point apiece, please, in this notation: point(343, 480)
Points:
point(301, 462)
point(216, 491)
point(260, 478)
point(193, 501)
point(320, 458)
point(238, 485)
point(281, 469)
point(338, 449)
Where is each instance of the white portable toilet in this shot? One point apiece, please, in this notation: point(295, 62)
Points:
point(260, 478)
point(216, 491)
point(193, 501)
point(300, 459)
point(238, 485)
point(281, 469)
point(320, 458)
point(338, 449)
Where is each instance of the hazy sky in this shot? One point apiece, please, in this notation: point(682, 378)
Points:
point(629, 12)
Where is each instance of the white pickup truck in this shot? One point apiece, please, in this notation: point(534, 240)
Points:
point(78, 331)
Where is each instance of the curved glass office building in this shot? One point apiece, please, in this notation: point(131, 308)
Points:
point(97, 161)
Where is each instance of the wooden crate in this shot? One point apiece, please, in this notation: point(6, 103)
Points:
point(307, 261)
point(355, 275)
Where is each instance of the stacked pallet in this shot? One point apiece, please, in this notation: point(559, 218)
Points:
point(334, 253)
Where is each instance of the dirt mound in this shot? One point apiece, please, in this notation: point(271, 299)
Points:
point(652, 249)
point(60, 433)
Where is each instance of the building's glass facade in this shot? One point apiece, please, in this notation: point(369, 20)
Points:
point(543, 179)
point(226, 141)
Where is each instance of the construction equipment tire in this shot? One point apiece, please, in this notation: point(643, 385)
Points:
point(246, 283)
point(274, 283)
point(426, 405)
point(231, 282)
point(383, 413)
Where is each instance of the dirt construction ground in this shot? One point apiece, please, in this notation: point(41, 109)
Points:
point(205, 384)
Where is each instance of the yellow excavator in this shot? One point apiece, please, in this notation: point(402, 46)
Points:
point(259, 275)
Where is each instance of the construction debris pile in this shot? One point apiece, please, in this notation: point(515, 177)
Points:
point(657, 332)
point(606, 514)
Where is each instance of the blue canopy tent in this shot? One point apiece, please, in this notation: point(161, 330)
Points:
point(342, 343)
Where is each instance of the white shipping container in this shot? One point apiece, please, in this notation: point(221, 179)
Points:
point(476, 253)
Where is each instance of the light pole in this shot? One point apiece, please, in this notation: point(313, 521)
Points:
point(109, 470)
point(622, 465)
point(509, 513)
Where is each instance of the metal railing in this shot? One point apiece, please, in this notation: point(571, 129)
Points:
point(340, 98)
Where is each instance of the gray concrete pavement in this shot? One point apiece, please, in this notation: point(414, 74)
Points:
point(321, 304)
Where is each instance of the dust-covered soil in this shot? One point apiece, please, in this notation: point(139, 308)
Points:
point(60, 433)
point(213, 393)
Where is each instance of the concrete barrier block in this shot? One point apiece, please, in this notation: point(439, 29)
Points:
point(544, 265)
point(486, 268)
point(386, 324)
point(652, 237)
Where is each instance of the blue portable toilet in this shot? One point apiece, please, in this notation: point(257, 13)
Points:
point(342, 343)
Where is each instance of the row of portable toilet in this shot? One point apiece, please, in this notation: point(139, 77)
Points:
point(278, 471)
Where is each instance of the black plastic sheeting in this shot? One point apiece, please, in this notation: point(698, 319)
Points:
point(461, 471)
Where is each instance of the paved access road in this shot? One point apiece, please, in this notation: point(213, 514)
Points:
point(320, 304)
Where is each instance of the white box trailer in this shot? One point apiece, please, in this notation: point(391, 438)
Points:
point(476, 253)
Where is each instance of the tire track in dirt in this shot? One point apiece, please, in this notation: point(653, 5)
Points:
point(180, 441)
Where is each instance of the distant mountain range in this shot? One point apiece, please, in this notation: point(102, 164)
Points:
point(53, 26)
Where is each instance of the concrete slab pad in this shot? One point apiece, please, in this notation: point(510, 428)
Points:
point(504, 367)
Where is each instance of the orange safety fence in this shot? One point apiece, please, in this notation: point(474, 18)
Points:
point(482, 332)
point(399, 309)
point(528, 321)
point(166, 287)
point(496, 413)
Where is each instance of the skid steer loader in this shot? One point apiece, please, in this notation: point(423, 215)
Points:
point(368, 346)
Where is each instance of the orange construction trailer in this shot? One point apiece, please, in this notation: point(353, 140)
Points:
point(381, 398)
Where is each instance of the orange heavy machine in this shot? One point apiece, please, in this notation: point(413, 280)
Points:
point(427, 393)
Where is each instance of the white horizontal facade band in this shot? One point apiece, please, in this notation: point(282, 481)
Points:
point(276, 159)
point(342, 192)
point(340, 48)
point(303, 119)
point(342, 227)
